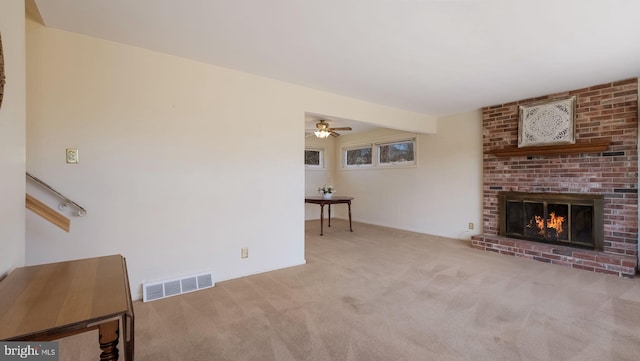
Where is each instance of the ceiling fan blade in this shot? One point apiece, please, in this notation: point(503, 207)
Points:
point(342, 128)
point(334, 133)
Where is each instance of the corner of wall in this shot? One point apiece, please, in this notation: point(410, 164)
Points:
point(13, 137)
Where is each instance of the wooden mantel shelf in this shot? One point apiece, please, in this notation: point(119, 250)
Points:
point(514, 151)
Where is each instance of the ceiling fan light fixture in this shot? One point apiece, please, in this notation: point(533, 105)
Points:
point(322, 133)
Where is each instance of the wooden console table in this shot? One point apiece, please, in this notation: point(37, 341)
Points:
point(51, 301)
point(334, 200)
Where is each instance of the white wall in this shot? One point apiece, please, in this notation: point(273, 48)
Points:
point(12, 138)
point(315, 177)
point(179, 161)
point(440, 196)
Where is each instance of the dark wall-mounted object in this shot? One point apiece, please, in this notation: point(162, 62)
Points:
point(1, 72)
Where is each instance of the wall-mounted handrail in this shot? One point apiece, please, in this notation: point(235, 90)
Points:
point(65, 201)
point(47, 213)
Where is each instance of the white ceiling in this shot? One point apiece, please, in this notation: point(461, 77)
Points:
point(431, 56)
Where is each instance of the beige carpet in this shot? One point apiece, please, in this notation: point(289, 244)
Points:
point(383, 294)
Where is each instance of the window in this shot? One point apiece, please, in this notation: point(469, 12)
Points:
point(398, 153)
point(358, 157)
point(313, 158)
point(387, 152)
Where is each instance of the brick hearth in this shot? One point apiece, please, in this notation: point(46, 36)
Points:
point(603, 112)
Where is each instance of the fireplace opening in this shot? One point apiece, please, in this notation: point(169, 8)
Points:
point(568, 219)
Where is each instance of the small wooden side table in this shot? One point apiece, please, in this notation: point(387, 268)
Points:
point(50, 301)
point(333, 200)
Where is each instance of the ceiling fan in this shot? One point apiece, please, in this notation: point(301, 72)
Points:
point(323, 130)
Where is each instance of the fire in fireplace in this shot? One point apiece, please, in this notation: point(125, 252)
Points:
point(568, 219)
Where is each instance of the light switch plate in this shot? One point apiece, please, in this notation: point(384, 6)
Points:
point(72, 156)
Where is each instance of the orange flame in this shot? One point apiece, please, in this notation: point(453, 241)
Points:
point(554, 222)
point(539, 222)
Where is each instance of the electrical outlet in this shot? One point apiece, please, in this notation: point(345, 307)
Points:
point(470, 225)
point(244, 252)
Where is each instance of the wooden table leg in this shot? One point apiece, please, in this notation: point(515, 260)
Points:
point(350, 228)
point(329, 214)
point(321, 217)
point(108, 337)
point(129, 336)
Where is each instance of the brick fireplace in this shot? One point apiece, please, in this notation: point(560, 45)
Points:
point(603, 163)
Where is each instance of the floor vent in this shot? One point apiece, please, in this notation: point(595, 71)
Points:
point(152, 291)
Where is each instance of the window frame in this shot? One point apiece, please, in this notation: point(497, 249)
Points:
point(320, 158)
point(345, 157)
point(375, 145)
point(397, 164)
